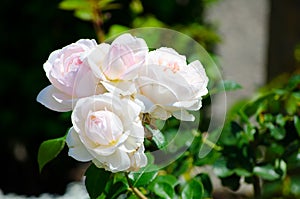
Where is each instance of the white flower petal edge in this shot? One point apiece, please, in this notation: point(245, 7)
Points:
point(76, 148)
point(54, 99)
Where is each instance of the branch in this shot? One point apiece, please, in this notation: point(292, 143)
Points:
point(135, 190)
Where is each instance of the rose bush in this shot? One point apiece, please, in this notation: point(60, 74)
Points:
point(70, 75)
point(108, 131)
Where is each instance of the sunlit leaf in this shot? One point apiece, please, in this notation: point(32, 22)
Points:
point(226, 85)
point(145, 175)
point(280, 119)
point(294, 82)
point(136, 6)
point(192, 190)
point(49, 149)
point(221, 170)
point(85, 15)
point(297, 124)
point(169, 179)
point(295, 185)
point(164, 190)
point(74, 4)
point(291, 104)
point(266, 172)
point(157, 137)
point(277, 132)
point(116, 29)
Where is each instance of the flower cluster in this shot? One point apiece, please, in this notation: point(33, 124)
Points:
point(110, 88)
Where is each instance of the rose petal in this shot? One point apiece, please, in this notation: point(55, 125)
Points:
point(96, 59)
point(183, 115)
point(124, 88)
point(54, 99)
point(76, 149)
point(118, 161)
point(138, 159)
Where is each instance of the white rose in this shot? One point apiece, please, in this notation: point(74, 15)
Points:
point(117, 64)
point(168, 86)
point(70, 76)
point(107, 130)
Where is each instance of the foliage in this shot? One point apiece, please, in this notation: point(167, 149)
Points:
point(49, 149)
point(261, 142)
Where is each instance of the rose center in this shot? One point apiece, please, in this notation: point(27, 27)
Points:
point(104, 127)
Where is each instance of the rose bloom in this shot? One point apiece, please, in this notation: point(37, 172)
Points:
point(107, 130)
point(168, 86)
point(117, 64)
point(70, 75)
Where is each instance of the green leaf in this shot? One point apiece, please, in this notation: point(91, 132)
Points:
point(192, 190)
point(221, 170)
point(142, 178)
point(168, 183)
point(250, 132)
point(291, 104)
point(231, 85)
point(281, 167)
point(49, 149)
point(96, 179)
point(280, 120)
point(136, 6)
point(266, 172)
point(295, 185)
point(297, 124)
point(133, 196)
point(145, 175)
point(157, 137)
point(226, 85)
point(293, 82)
point(169, 179)
point(74, 5)
point(117, 189)
point(164, 190)
point(277, 132)
point(84, 14)
point(207, 184)
point(275, 148)
point(115, 30)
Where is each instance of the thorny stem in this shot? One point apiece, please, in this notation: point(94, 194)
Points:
point(210, 143)
point(134, 189)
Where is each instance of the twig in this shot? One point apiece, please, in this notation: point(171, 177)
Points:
point(97, 21)
point(134, 189)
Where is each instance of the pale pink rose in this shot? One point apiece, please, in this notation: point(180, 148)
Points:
point(168, 86)
point(108, 131)
point(117, 64)
point(70, 76)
